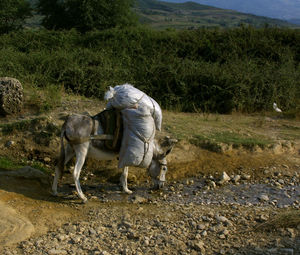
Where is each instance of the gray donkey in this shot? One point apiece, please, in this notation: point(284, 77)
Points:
point(85, 137)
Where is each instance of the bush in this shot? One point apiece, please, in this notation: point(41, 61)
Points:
point(243, 69)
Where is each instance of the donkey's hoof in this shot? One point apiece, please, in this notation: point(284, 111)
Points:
point(128, 191)
point(84, 201)
point(54, 193)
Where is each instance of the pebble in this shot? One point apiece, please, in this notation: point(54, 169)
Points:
point(263, 198)
point(224, 178)
point(57, 252)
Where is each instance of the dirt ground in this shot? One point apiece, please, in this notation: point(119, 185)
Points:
point(27, 206)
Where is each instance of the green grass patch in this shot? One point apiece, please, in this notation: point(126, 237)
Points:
point(230, 138)
point(9, 164)
point(40, 166)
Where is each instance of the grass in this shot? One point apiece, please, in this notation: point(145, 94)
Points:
point(45, 99)
point(210, 130)
point(9, 164)
point(230, 138)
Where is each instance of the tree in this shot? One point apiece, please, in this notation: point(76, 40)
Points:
point(86, 15)
point(12, 14)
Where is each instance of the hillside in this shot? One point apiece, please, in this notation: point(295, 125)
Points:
point(188, 15)
point(279, 9)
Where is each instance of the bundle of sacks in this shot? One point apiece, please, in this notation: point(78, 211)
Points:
point(142, 116)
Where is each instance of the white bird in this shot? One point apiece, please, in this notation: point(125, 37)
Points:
point(276, 107)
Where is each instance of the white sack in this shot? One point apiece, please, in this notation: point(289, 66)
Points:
point(138, 138)
point(127, 96)
point(141, 116)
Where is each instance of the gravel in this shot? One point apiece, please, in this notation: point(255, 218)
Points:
point(188, 217)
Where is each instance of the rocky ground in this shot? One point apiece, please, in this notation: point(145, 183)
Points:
point(204, 215)
point(236, 202)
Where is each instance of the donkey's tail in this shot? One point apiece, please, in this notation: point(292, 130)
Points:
point(62, 156)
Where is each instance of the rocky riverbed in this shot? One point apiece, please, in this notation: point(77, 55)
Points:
point(204, 215)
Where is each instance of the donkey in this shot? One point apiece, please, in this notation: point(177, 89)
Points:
point(83, 136)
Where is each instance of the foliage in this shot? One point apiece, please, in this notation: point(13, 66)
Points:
point(207, 70)
point(86, 15)
point(12, 14)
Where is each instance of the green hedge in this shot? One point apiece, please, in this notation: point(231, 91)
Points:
point(243, 69)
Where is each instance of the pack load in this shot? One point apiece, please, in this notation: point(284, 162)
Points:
point(142, 116)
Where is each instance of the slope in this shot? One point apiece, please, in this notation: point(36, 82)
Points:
point(190, 15)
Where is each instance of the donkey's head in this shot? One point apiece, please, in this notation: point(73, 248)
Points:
point(158, 167)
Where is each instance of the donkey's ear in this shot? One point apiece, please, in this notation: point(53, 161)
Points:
point(172, 143)
point(109, 93)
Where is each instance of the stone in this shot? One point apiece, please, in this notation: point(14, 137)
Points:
point(236, 178)
point(138, 199)
point(201, 226)
point(221, 219)
point(263, 198)
point(9, 144)
point(212, 184)
point(199, 246)
point(224, 178)
point(57, 252)
point(204, 233)
point(47, 160)
point(28, 172)
point(246, 177)
point(11, 96)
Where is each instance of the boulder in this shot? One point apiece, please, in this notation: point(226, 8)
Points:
point(11, 96)
point(27, 172)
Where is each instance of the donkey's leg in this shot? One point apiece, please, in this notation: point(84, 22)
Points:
point(123, 180)
point(69, 154)
point(81, 153)
point(55, 180)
